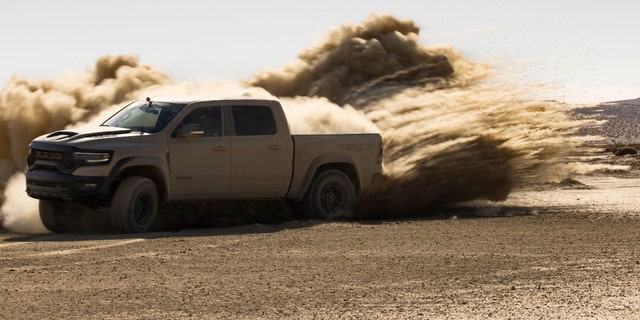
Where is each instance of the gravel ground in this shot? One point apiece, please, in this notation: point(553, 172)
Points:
point(565, 251)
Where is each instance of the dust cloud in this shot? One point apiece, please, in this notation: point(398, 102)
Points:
point(24, 217)
point(451, 132)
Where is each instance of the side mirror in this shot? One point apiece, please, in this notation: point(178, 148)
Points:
point(190, 131)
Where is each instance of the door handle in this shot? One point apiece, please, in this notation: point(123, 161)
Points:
point(275, 147)
point(219, 148)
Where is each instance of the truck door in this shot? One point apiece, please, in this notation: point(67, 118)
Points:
point(200, 154)
point(259, 157)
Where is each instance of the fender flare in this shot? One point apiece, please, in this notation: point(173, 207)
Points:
point(334, 160)
point(158, 165)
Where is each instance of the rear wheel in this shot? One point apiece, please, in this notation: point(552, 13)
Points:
point(135, 205)
point(331, 195)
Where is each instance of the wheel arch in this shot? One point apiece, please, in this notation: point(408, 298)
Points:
point(149, 168)
point(332, 190)
point(345, 167)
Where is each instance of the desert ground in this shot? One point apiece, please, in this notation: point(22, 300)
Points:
point(568, 250)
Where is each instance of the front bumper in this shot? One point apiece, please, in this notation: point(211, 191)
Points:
point(53, 185)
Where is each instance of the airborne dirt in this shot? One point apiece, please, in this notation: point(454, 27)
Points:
point(569, 250)
point(564, 244)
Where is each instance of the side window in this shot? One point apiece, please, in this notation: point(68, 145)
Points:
point(253, 120)
point(202, 122)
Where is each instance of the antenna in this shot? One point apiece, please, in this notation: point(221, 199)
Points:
point(149, 100)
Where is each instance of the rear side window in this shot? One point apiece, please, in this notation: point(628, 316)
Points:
point(253, 120)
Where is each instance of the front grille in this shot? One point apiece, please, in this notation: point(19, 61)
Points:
point(62, 161)
point(48, 155)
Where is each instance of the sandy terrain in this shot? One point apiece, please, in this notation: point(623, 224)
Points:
point(570, 250)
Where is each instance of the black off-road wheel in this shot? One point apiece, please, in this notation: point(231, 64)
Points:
point(331, 195)
point(53, 216)
point(134, 206)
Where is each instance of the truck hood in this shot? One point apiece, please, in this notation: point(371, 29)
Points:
point(75, 135)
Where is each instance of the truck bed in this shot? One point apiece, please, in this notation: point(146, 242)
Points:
point(360, 151)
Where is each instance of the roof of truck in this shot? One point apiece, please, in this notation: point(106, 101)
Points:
point(198, 98)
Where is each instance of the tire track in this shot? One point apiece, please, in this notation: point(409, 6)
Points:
point(79, 250)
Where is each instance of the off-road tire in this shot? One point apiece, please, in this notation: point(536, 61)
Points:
point(330, 196)
point(52, 216)
point(134, 207)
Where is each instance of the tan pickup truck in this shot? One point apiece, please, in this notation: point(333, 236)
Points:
point(179, 149)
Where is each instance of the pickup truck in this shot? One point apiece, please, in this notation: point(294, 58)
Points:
point(174, 149)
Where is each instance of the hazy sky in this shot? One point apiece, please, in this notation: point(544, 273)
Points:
point(589, 49)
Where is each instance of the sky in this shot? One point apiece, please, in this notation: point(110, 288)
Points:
point(585, 51)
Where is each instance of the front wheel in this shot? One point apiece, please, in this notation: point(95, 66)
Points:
point(331, 195)
point(135, 205)
point(53, 216)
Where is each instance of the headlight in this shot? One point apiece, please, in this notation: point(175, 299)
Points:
point(92, 157)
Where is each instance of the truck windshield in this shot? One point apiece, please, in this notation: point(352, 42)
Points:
point(144, 117)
